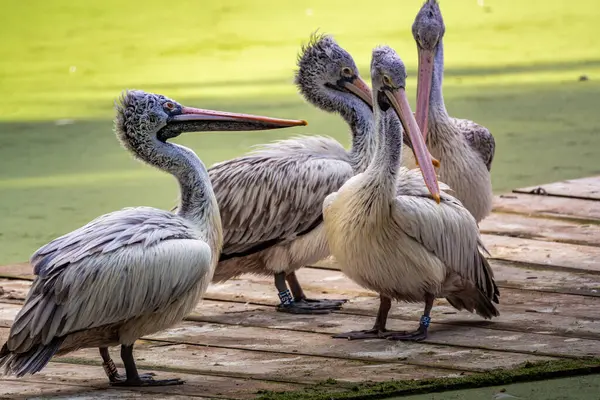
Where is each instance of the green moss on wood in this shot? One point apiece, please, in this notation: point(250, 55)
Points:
point(528, 371)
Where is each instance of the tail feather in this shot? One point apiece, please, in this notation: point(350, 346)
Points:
point(488, 287)
point(29, 362)
point(474, 301)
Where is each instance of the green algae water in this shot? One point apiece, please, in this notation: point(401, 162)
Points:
point(527, 70)
point(573, 388)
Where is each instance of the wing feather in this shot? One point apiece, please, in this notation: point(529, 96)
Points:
point(275, 193)
point(479, 138)
point(119, 266)
point(448, 230)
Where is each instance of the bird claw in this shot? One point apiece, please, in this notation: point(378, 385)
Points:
point(416, 336)
point(304, 308)
point(118, 378)
point(148, 380)
point(358, 335)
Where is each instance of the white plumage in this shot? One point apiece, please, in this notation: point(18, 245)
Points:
point(390, 236)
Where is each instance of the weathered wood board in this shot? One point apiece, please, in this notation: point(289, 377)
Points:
point(583, 188)
point(549, 207)
point(545, 253)
point(548, 229)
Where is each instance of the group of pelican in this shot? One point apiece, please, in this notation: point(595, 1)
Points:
point(392, 228)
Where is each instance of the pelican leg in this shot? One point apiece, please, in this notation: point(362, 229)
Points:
point(421, 332)
point(378, 330)
point(135, 379)
point(300, 297)
point(111, 369)
point(288, 304)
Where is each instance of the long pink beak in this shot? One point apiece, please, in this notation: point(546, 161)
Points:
point(424, 88)
point(400, 104)
point(198, 114)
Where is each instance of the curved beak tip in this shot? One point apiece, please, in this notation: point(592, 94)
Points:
point(303, 122)
point(436, 197)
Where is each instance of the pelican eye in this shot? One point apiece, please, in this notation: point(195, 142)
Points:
point(387, 81)
point(169, 106)
point(347, 72)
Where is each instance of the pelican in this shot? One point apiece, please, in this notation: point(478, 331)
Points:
point(271, 199)
point(386, 230)
point(464, 148)
point(132, 272)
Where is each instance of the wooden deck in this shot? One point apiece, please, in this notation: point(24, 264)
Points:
point(545, 246)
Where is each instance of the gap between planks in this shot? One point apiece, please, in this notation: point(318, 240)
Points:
point(567, 209)
point(264, 365)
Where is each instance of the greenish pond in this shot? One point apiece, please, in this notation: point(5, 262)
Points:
point(574, 388)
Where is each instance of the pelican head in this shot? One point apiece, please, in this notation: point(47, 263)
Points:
point(145, 120)
point(141, 114)
point(328, 77)
point(388, 77)
point(428, 29)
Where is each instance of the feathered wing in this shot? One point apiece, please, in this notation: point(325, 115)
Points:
point(120, 266)
point(479, 138)
point(275, 193)
point(449, 231)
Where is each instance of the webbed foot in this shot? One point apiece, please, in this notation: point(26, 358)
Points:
point(358, 335)
point(148, 380)
point(117, 378)
point(415, 336)
point(302, 308)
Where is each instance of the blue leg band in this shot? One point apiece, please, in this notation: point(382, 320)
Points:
point(286, 297)
point(425, 320)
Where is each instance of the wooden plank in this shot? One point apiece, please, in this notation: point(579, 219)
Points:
point(527, 318)
point(334, 358)
point(228, 363)
point(583, 188)
point(521, 311)
point(555, 313)
point(548, 206)
point(467, 336)
point(16, 271)
point(13, 389)
point(318, 344)
point(28, 389)
point(578, 315)
point(549, 229)
point(545, 255)
point(511, 275)
point(526, 311)
point(324, 283)
point(90, 377)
